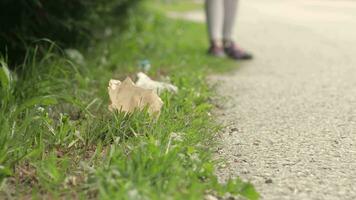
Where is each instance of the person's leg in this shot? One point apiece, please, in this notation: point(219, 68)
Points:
point(230, 47)
point(230, 10)
point(214, 18)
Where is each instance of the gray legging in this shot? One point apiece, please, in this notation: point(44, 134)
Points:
point(220, 15)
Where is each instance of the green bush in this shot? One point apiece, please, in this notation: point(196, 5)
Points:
point(66, 22)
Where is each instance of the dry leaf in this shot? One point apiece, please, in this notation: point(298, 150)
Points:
point(146, 82)
point(127, 97)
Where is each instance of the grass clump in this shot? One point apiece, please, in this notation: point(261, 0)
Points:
point(58, 140)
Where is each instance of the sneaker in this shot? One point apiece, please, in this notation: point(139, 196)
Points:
point(235, 52)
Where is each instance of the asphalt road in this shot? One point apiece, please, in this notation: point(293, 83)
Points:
point(291, 112)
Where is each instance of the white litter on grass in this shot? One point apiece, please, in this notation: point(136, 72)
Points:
point(75, 56)
point(108, 32)
point(127, 97)
point(210, 197)
point(146, 82)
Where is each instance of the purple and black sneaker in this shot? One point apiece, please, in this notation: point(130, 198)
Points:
point(233, 51)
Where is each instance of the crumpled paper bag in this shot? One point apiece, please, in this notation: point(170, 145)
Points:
point(127, 97)
point(146, 82)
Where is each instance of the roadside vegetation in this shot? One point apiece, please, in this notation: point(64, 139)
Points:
point(59, 141)
point(180, 5)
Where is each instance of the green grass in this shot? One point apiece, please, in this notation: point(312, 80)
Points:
point(179, 5)
point(58, 139)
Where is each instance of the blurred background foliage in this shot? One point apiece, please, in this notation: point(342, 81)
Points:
point(66, 22)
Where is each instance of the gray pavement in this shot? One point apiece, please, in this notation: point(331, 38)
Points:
point(291, 112)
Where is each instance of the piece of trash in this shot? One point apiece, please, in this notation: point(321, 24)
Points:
point(75, 56)
point(144, 65)
point(210, 197)
point(128, 97)
point(108, 32)
point(146, 82)
point(103, 61)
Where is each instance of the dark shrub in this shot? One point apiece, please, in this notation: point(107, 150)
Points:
point(67, 22)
